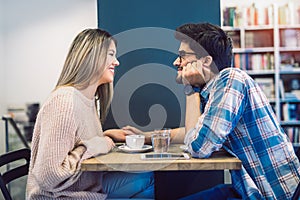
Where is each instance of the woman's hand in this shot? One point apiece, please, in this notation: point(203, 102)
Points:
point(110, 143)
point(118, 135)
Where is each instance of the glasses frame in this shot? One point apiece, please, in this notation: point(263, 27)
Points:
point(181, 55)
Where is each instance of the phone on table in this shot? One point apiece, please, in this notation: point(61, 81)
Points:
point(165, 156)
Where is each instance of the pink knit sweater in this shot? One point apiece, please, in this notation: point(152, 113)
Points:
point(66, 121)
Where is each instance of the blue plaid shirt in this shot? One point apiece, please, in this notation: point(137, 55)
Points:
point(238, 117)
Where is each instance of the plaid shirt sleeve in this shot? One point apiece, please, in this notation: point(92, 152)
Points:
point(221, 113)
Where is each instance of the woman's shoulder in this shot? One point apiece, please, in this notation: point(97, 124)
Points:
point(69, 98)
point(64, 90)
point(58, 104)
point(63, 96)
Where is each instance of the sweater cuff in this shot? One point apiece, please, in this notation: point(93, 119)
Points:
point(96, 145)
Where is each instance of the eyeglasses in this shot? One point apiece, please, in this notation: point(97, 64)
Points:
point(182, 54)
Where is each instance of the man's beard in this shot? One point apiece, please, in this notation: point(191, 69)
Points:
point(179, 79)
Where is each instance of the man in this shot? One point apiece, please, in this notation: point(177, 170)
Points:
point(235, 115)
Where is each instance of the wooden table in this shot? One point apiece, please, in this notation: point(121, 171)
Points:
point(121, 161)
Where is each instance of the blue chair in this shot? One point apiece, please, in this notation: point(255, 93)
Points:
point(14, 173)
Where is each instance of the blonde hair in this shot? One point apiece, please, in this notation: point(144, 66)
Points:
point(86, 61)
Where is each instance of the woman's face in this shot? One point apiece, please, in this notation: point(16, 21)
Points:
point(111, 63)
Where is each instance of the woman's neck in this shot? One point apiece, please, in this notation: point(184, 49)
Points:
point(90, 91)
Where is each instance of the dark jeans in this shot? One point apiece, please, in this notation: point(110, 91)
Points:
point(218, 192)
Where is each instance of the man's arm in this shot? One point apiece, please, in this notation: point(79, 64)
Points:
point(177, 134)
point(192, 111)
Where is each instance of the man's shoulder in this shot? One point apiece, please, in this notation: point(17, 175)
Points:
point(233, 73)
point(229, 70)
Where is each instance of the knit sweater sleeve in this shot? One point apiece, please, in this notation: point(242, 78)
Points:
point(59, 153)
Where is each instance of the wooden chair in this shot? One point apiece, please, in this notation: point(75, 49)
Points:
point(14, 173)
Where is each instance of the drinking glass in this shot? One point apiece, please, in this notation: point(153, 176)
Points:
point(161, 140)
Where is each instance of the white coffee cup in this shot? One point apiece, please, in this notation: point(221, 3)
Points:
point(135, 141)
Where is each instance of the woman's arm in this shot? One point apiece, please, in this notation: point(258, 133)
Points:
point(57, 160)
point(118, 135)
point(60, 146)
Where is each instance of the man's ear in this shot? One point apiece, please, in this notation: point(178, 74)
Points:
point(207, 61)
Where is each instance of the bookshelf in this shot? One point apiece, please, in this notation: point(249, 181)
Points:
point(266, 41)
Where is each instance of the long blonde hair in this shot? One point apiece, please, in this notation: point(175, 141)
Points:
point(85, 61)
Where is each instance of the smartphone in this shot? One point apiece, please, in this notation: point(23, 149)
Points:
point(165, 156)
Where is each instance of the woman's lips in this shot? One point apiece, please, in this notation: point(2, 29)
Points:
point(112, 69)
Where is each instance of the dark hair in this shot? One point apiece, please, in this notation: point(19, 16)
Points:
point(207, 39)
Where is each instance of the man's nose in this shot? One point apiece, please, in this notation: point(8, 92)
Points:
point(176, 62)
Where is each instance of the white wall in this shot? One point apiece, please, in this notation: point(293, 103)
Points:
point(34, 38)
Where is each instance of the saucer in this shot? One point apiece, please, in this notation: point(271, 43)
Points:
point(125, 148)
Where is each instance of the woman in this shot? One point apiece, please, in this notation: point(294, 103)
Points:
point(68, 129)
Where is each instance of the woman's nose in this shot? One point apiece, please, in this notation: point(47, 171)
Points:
point(116, 62)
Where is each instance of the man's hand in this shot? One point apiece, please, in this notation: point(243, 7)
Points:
point(198, 73)
point(192, 74)
point(132, 130)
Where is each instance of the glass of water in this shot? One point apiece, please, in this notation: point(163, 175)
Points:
point(161, 140)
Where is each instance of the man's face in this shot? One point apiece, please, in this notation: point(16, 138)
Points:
point(185, 56)
point(190, 69)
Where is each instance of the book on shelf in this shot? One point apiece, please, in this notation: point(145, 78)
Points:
point(259, 15)
point(232, 16)
point(291, 107)
point(229, 16)
point(288, 61)
point(256, 15)
point(289, 14)
point(294, 111)
point(293, 134)
point(290, 38)
point(253, 15)
point(235, 37)
point(250, 61)
point(241, 61)
point(281, 89)
point(296, 93)
point(290, 111)
point(267, 86)
point(258, 38)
